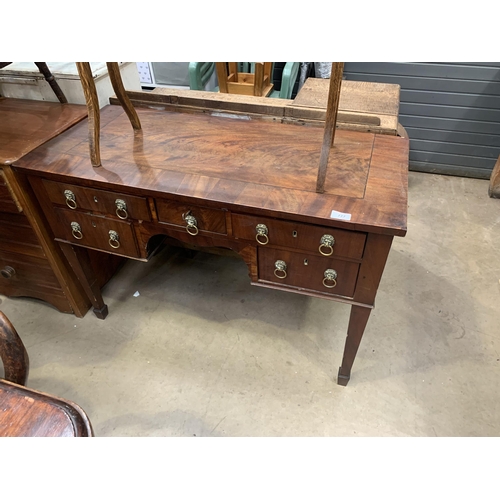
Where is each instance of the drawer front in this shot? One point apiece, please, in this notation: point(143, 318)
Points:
point(306, 271)
point(25, 271)
point(16, 235)
point(348, 244)
point(94, 231)
point(119, 205)
point(205, 219)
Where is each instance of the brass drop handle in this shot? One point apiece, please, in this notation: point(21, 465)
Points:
point(121, 209)
point(114, 239)
point(326, 245)
point(280, 269)
point(192, 225)
point(261, 235)
point(76, 230)
point(7, 272)
point(330, 276)
point(70, 199)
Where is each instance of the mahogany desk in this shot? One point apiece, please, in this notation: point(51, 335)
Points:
point(246, 185)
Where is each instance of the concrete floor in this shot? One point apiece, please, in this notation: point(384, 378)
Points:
point(201, 352)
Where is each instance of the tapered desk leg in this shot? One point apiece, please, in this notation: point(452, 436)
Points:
point(79, 260)
point(357, 323)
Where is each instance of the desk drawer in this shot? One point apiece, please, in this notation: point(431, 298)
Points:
point(25, 271)
point(96, 232)
point(349, 244)
point(205, 219)
point(305, 271)
point(16, 235)
point(119, 205)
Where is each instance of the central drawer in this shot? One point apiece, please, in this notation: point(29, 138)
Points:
point(97, 232)
point(320, 241)
point(327, 275)
point(203, 219)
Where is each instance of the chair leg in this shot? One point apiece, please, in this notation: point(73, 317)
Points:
point(221, 69)
point(92, 100)
point(49, 77)
point(117, 83)
point(13, 353)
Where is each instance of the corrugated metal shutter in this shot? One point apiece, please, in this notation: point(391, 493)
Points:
point(451, 112)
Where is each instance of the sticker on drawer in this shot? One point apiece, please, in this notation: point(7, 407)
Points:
point(340, 215)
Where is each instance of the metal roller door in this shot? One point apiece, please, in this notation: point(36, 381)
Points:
point(451, 112)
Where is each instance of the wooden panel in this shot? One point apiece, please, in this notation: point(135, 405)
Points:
point(98, 200)
point(8, 201)
point(293, 235)
point(26, 124)
point(16, 235)
point(362, 97)
point(208, 220)
point(95, 232)
point(304, 271)
point(28, 270)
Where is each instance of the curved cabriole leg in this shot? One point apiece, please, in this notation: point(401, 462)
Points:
point(117, 83)
point(13, 353)
point(90, 92)
point(357, 323)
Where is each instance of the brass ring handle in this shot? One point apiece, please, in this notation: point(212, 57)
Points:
point(261, 235)
point(70, 199)
point(192, 225)
point(7, 272)
point(114, 239)
point(327, 241)
point(76, 230)
point(121, 209)
point(280, 267)
point(330, 275)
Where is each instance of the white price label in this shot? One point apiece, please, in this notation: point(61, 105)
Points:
point(340, 215)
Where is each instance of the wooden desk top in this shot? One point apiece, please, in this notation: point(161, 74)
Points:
point(261, 166)
point(26, 124)
point(25, 412)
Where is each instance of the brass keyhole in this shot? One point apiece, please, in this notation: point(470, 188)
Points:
point(306, 262)
point(95, 199)
point(294, 234)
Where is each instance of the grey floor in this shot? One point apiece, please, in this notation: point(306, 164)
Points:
point(201, 352)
